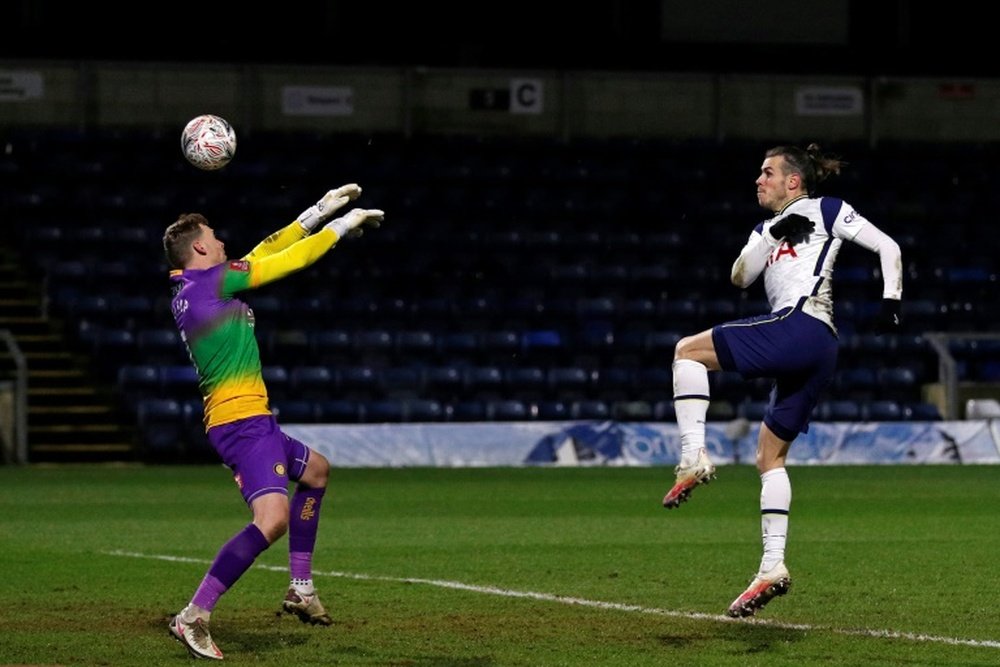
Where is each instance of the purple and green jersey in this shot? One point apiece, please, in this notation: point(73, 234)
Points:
point(218, 328)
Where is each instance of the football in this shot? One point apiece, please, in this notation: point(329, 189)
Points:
point(208, 142)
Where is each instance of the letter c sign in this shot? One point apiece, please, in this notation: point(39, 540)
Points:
point(526, 96)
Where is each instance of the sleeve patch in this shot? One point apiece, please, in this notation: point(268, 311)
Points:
point(240, 265)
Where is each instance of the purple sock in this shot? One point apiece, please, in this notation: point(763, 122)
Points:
point(234, 558)
point(303, 522)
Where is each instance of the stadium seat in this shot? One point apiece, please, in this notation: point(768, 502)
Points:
point(415, 344)
point(338, 411)
point(161, 422)
point(160, 346)
point(388, 410)
point(444, 381)
point(136, 382)
point(311, 382)
point(881, 411)
point(294, 411)
point(631, 411)
point(921, 411)
point(569, 382)
point(359, 382)
point(508, 410)
point(425, 410)
point(178, 381)
point(663, 411)
point(401, 381)
point(276, 379)
point(751, 410)
point(838, 410)
point(553, 411)
point(483, 381)
point(526, 382)
point(589, 409)
point(468, 411)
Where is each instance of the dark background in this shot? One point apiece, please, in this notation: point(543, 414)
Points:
point(879, 37)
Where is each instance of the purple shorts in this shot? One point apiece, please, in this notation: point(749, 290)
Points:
point(262, 458)
point(797, 350)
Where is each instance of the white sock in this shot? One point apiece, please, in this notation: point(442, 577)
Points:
point(691, 405)
point(193, 612)
point(303, 586)
point(775, 501)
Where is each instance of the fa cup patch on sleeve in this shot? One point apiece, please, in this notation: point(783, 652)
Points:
point(240, 265)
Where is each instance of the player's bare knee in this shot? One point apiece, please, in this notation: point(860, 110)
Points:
point(685, 348)
point(273, 526)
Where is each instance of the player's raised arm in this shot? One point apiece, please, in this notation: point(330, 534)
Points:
point(306, 222)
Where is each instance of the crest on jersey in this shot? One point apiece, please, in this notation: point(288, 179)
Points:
point(279, 469)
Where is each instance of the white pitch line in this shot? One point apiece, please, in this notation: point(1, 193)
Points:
point(598, 604)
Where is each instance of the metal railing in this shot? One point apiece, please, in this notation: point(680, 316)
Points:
point(20, 450)
point(948, 366)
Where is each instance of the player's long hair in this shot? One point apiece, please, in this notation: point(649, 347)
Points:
point(810, 163)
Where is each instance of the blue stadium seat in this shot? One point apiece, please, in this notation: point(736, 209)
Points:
point(663, 411)
point(838, 411)
point(276, 379)
point(469, 411)
point(752, 410)
point(445, 381)
point(311, 382)
point(139, 381)
point(569, 382)
point(921, 411)
point(589, 409)
point(881, 411)
point(508, 410)
point(338, 411)
point(525, 381)
point(387, 410)
point(330, 346)
point(161, 421)
point(553, 411)
point(359, 382)
point(631, 411)
point(483, 381)
point(294, 411)
point(401, 381)
point(415, 343)
point(178, 381)
point(160, 345)
point(425, 410)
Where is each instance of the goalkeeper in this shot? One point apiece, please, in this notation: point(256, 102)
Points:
point(795, 344)
point(218, 330)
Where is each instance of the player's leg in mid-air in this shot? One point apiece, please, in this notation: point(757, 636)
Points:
point(694, 356)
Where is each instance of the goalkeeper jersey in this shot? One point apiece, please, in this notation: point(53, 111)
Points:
point(218, 328)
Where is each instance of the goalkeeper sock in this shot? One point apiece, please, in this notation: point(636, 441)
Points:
point(303, 523)
point(775, 501)
point(691, 398)
point(234, 558)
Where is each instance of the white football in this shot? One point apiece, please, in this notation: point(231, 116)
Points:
point(208, 142)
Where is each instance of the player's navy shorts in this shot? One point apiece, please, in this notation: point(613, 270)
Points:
point(797, 350)
point(261, 457)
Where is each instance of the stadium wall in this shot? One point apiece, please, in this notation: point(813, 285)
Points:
point(642, 444)
point(558, 104)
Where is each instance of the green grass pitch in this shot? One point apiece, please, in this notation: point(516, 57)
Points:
point(891, 565)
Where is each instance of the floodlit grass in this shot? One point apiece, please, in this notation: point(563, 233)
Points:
point(890, 566)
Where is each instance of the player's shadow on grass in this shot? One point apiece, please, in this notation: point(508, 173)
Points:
point(747, 638)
